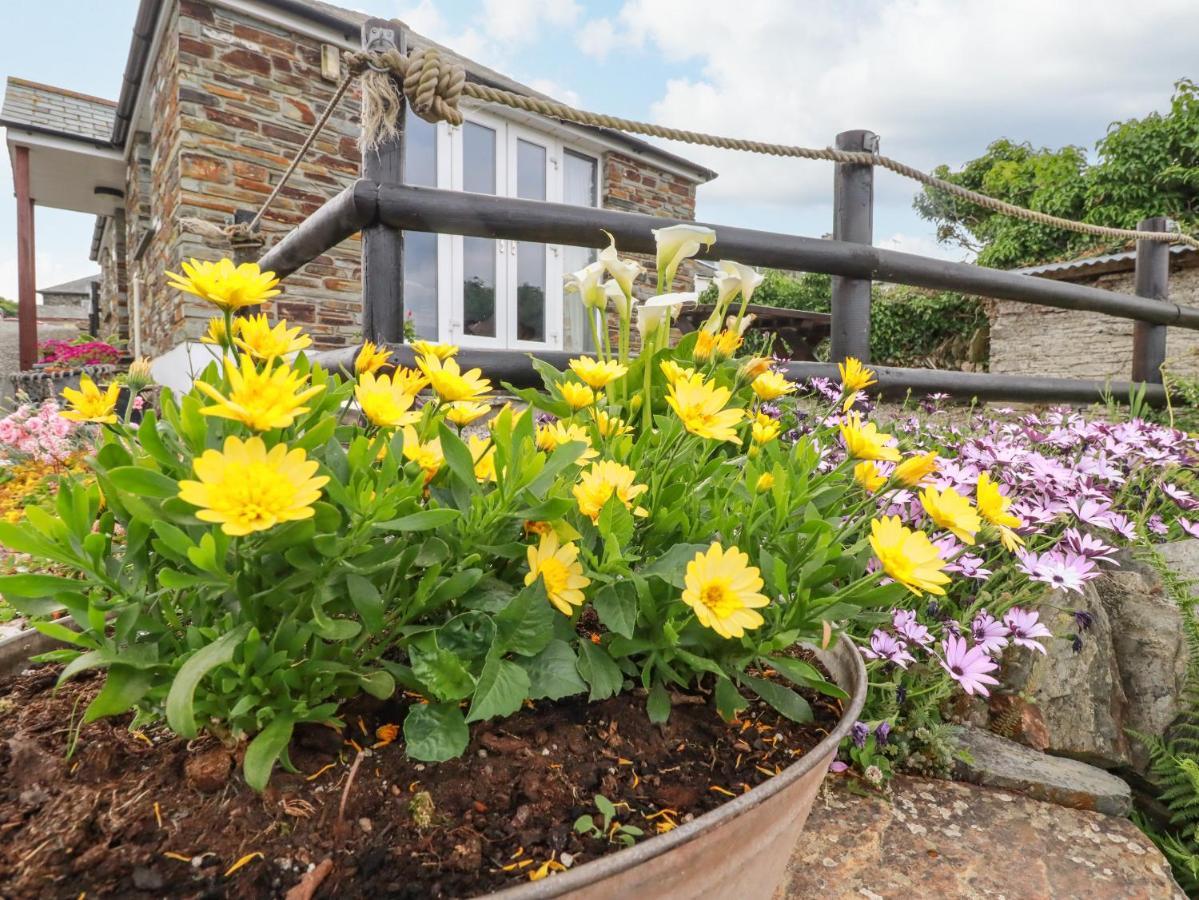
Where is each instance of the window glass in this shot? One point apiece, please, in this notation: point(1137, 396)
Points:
point(420, 248)
point(420, 151)
point(478, 158)
point(530, 258)
point(580, 187)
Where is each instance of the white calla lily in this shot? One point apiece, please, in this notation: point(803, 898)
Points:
point(622, 271)
point(663, 308)
point(732, 279)
point(586, 281)
point(677, 243)
point(620, 300)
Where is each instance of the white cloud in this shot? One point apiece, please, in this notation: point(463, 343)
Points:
point(923, 245)
point(553, 89)
point(937, 79)
point(596, 38)
point(498, 30)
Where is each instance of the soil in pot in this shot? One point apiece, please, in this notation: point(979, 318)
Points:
point(149, 815)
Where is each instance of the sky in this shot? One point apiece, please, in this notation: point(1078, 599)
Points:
point(937, 80)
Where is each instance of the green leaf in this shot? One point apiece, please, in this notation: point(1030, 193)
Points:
point(379, 684)
point(264, 750)
point(526, 625)
point(440, 671)
point(425, 520)
point(38, 585)
point(804, 674)
point(457, 457)
point(600, 671)
point(729, 701)
point(502, 688)
point(671, 566)
point(123, 687)
point(143, 482)
point(367, 601)
point(435, 732)
point(553, 673)
point(616, 605)
point(180, 699)
point(782, 698)
point(658, 704)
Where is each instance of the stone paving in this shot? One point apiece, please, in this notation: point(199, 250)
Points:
point(947, 840)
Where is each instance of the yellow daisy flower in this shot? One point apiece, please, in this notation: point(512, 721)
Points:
point(427, 455)
point(993, 505)
point(553, 435)
point(701, 407)
point(88, 404)
point(558, 567)
point(450, 382)
point(256, 336)
point(1009, 539)
point(413, 381)
point(431, 348)
point(578, 396)
point(771, 385)
point(262, 400)
point(915, 469)
point(866, 474)
point(705, 343)
point(611, 426)
point(482, 452)
point(673, 371)
point(596, 373)
point(225, 285)
point(463, 412)
point(753, 367)
point(951, 511)
point(764, 483)
point(247, 488)
point(865, 441)
point(383, 402)
point(765, 429)
point(908, 556)
point(727, 343)
point(724, 591)
point(216, 333)
point(370, 358)
point(601, 481)
point(854, 376)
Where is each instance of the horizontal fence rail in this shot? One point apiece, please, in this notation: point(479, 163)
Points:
point(365, 204)
point(516, 368)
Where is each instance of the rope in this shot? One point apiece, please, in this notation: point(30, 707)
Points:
point(433, 87)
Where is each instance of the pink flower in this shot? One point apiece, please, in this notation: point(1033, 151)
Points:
point(905, 624)
point(886, 646)
point(989, 633)
point(1023, 626)
point(968, 666)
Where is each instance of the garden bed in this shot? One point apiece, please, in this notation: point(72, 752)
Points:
point(140, 813)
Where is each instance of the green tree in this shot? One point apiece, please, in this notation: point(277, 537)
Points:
point(1142, 167)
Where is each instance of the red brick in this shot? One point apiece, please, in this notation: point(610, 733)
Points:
point(246, 59)
point(194, 47)
point(204, 168)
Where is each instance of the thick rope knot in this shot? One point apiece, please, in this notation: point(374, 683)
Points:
point(433, 86)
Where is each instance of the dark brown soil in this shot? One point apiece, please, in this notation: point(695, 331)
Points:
point(144, 814)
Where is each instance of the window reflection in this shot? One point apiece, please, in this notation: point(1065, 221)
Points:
point(420, 248)
point(580, 187)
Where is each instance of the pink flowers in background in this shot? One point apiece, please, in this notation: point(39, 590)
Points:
point(967, 665)
point(38, 432)
point(67, 354)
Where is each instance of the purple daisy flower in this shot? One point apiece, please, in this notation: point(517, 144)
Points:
point(1024, 627)
point(858, 734)
point(905, 624)
point(882, 733)
point(1088, 546)
point(989, 633)
point(968, 666)
point(885, 646)
point(1191, 528)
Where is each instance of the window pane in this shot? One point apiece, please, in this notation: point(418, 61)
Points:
point(420, 282)
point(420, 151)
point(478, 287)
point(580, 182)
point(478, 159)
point(530, 292)
point(530, 171)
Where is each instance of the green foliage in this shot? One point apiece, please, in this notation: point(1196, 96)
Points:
point(908, 326)
point(1143, 167)
point(608, 828)
point(8, 307)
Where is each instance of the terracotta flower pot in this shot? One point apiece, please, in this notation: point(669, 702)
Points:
point(738, 851)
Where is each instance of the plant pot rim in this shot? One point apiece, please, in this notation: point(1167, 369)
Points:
point(18, 648)
point(597, 870)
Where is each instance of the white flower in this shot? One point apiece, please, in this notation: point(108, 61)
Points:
point(623, 271)
point(736, 278)
point(677, 243)
point(587, 282)
point(663, 308)
point(621, 302)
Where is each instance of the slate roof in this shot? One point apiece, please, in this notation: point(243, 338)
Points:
point(54, 110)
point(80, 286)
point(1123, 261)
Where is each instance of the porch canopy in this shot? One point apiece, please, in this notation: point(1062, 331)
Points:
point(60, 146)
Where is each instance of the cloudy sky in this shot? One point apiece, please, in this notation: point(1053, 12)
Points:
point(936, 79)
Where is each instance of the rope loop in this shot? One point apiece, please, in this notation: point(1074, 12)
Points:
point(433, 86)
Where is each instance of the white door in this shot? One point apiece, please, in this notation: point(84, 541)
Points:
point(534, 271)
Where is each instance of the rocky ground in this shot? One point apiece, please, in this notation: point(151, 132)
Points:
point(948, 840)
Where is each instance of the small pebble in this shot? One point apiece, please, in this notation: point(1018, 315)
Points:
point(545, 752)
point(420, 767)
point(567, 859)
point(365, 825)
point(395, 790)
point(482, 754)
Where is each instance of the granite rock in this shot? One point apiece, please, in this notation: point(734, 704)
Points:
point(950, 840)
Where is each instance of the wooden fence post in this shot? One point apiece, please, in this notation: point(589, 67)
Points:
point(26, 262)
point(247, 250)
point(383, 247)
point(853, 220)
point(1152, 282)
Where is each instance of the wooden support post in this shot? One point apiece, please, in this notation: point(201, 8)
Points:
point(1152, 282)
point(246, 251)
point(853, 220)
point(93, 311)
point(26, 265)
point(382, 247)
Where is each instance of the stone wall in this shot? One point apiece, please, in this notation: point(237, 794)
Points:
point(1038, 340)
point(114, 311)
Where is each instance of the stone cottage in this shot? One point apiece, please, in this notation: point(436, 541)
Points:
point(216, 99)
point(1039, 340)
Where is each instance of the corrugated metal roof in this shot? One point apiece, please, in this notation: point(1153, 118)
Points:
point(1098, 265)
point(42, 107)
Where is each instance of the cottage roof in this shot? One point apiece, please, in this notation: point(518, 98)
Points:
point(1124, 261)
point(81, 287)
point(54, 110)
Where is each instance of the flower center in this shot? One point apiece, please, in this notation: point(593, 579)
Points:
point(555, 576)
point(719, 599)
